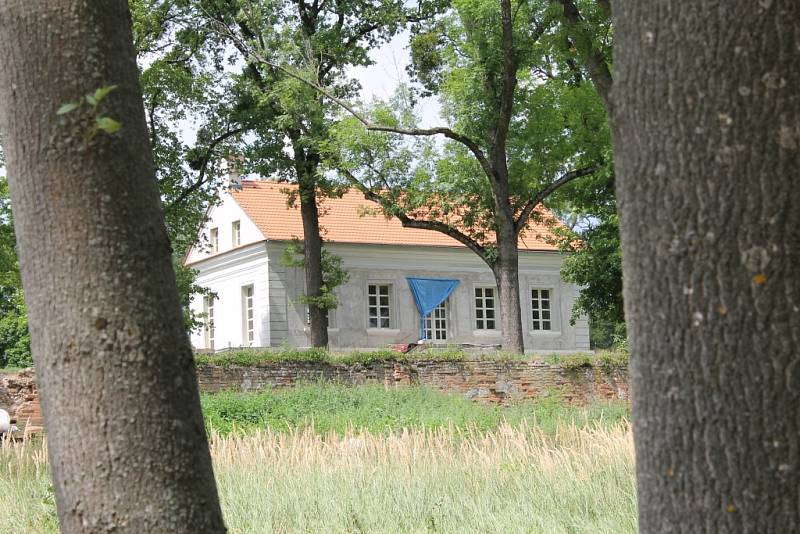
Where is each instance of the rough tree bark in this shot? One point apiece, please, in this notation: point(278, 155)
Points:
point(119, 392)
point(306, 165)
point(706, 121)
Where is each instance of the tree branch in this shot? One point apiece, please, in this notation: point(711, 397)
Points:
point(535, 200)
point(409, 222)
point(201, 178)
point(470, 144)
point(595, 61)
point(509, 81)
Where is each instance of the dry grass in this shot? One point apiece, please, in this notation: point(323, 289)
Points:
point(516, 479)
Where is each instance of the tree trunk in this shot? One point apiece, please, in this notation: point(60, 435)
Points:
point(506, 272)
point(506, 275)
point(306, 169)
point(706, 129)
point(119, 393)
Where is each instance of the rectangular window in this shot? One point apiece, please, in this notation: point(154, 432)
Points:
point(208, 309)
point(379, 305)
point(436, 323)
point(236, 233)
point(214, 238)
point(485, 318)
point(248, 320)
point(540, 309)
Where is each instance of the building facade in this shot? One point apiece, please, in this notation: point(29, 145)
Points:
point(258, 299)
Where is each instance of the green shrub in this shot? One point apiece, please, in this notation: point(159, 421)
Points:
point(254, 357)
point(15, 341)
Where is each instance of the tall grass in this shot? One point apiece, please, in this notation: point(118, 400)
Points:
point(508, 480)
point(335, 407)
point(512, 479)
point(332, 458)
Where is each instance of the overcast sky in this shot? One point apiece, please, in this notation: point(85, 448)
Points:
point(381, 79)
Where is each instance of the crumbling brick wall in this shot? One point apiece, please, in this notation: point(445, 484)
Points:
point(19, 397)
point(488, 380)
point(483, 380)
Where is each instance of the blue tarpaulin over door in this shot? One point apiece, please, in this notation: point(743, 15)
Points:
point(429, 293)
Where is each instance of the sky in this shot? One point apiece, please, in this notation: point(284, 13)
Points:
point(378, 81)
point(381, 79)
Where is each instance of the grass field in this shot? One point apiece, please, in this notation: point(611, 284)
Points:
point(532, 467)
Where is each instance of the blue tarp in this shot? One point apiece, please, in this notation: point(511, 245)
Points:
point(429, 293)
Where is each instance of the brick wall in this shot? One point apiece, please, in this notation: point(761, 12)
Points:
point(487, 380)
point(484, 380)
point(18, 396)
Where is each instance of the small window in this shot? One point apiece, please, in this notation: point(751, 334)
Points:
point(379, 305)
point(248, 321)
point(208, 309)
point(485, 318)
point(540, 309)
point(214, 238)
point(236, 233)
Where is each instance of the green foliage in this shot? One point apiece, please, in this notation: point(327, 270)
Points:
point(189, 290)
point(333, 274)
point(558, 123)
point(182, 83)
point(252, 357)
point(90, 103)
point(593, 260)
point(14, 338)
point(607, 360)
point(15, 341)
point(255, 357)
point(331, 407)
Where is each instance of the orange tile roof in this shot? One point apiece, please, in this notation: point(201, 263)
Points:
point(343, 220)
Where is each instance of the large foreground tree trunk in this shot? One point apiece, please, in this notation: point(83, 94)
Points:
point(707, 137)
point(119, 392)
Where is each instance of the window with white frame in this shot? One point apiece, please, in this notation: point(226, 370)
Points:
point(214, 239)
point(248, 318)
point(485, 317)
point(540, 309)
point(379, 309)
point(236, 233)
point(436, 323)
point(208, 309)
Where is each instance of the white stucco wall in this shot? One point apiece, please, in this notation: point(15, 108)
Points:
point(227, 272)
point(222, 217)
point(392, 264)
point(226, 275)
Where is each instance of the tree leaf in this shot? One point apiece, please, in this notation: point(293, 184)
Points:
point(108, 125)
point(66, 108)
point(102, 92)
point(91, 100)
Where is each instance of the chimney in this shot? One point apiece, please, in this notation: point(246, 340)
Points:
point(233, 166)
